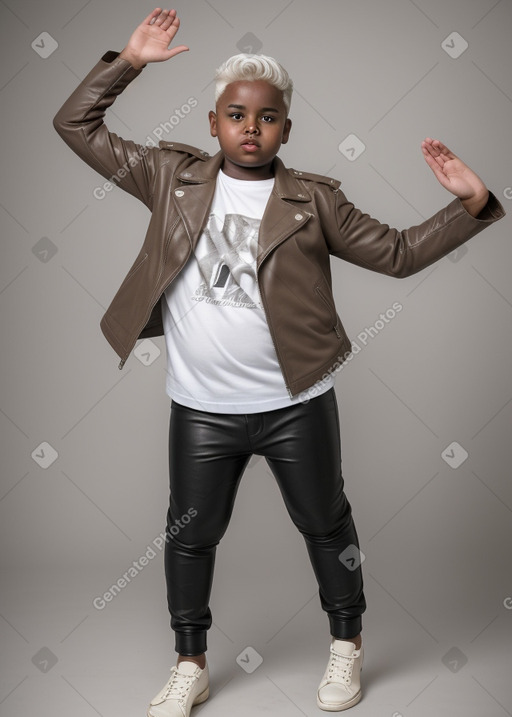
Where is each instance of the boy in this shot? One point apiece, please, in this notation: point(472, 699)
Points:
point(234, 271)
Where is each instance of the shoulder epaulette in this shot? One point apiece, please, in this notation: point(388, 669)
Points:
point(188, 148)
point(333, 183)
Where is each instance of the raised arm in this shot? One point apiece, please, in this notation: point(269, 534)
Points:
point(363, 240)
point(80, 120)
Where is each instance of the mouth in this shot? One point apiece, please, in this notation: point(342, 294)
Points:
point(250, 145)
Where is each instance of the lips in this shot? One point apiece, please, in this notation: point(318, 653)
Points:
point(250, 144)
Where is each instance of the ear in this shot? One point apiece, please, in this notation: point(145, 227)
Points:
point(286, 131)
point(212, 118)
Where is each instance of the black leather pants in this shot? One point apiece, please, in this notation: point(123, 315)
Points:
point(208, 453)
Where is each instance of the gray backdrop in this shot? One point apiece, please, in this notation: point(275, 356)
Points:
point(426, 403)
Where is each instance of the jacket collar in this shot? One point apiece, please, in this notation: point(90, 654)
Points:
point(280, 219)
point(286, 186)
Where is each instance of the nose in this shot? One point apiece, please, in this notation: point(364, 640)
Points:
point(251, 128)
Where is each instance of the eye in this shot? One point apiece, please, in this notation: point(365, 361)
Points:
point(268, 118)
point(236, 115)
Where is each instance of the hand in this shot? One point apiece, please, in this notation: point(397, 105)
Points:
point(455, 175)
point(151, 39)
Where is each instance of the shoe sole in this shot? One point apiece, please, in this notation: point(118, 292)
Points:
point(202, 697)
point(339, 708)
point(198, 700)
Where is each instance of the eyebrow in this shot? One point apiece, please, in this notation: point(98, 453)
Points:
point(263, 109)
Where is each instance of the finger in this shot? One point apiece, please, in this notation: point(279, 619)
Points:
point(426, 145)
point(169, 20)
point(174, 25)
point(436, 163)
point(431, 161)
point(435, 149)
point(176, 50)
point(162, 18)
point(173, 28)
point(150, 19)
point(432, 145)
point(430, 151)
point(443, 149)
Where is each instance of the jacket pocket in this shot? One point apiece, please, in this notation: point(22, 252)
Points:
point(328, 302)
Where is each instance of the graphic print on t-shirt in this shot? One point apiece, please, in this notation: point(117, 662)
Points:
point(228, 267)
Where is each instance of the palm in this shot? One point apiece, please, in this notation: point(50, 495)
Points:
point(151, 39)
point(451, 171)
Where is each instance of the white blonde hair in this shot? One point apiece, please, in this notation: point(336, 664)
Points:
point(254, 67)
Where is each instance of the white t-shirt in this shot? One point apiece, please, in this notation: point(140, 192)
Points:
point(220, 353)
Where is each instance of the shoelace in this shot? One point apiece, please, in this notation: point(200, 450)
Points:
point(178, 686)
point(340, 668)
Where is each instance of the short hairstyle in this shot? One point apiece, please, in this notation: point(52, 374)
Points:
point(254, 67)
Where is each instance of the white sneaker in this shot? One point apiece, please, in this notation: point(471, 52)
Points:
point(187, 686)
point(340, 687)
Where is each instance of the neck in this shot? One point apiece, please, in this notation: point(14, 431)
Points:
point(236, 171)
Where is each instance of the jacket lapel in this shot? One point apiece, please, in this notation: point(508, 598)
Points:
point(282, 218)
point(195, 195)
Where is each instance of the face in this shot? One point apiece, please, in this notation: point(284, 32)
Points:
point(251, 124)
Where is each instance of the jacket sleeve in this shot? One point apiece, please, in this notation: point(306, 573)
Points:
point(80, 123)
point(360, 239)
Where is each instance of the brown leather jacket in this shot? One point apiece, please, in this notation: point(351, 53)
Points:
point(307, 219)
